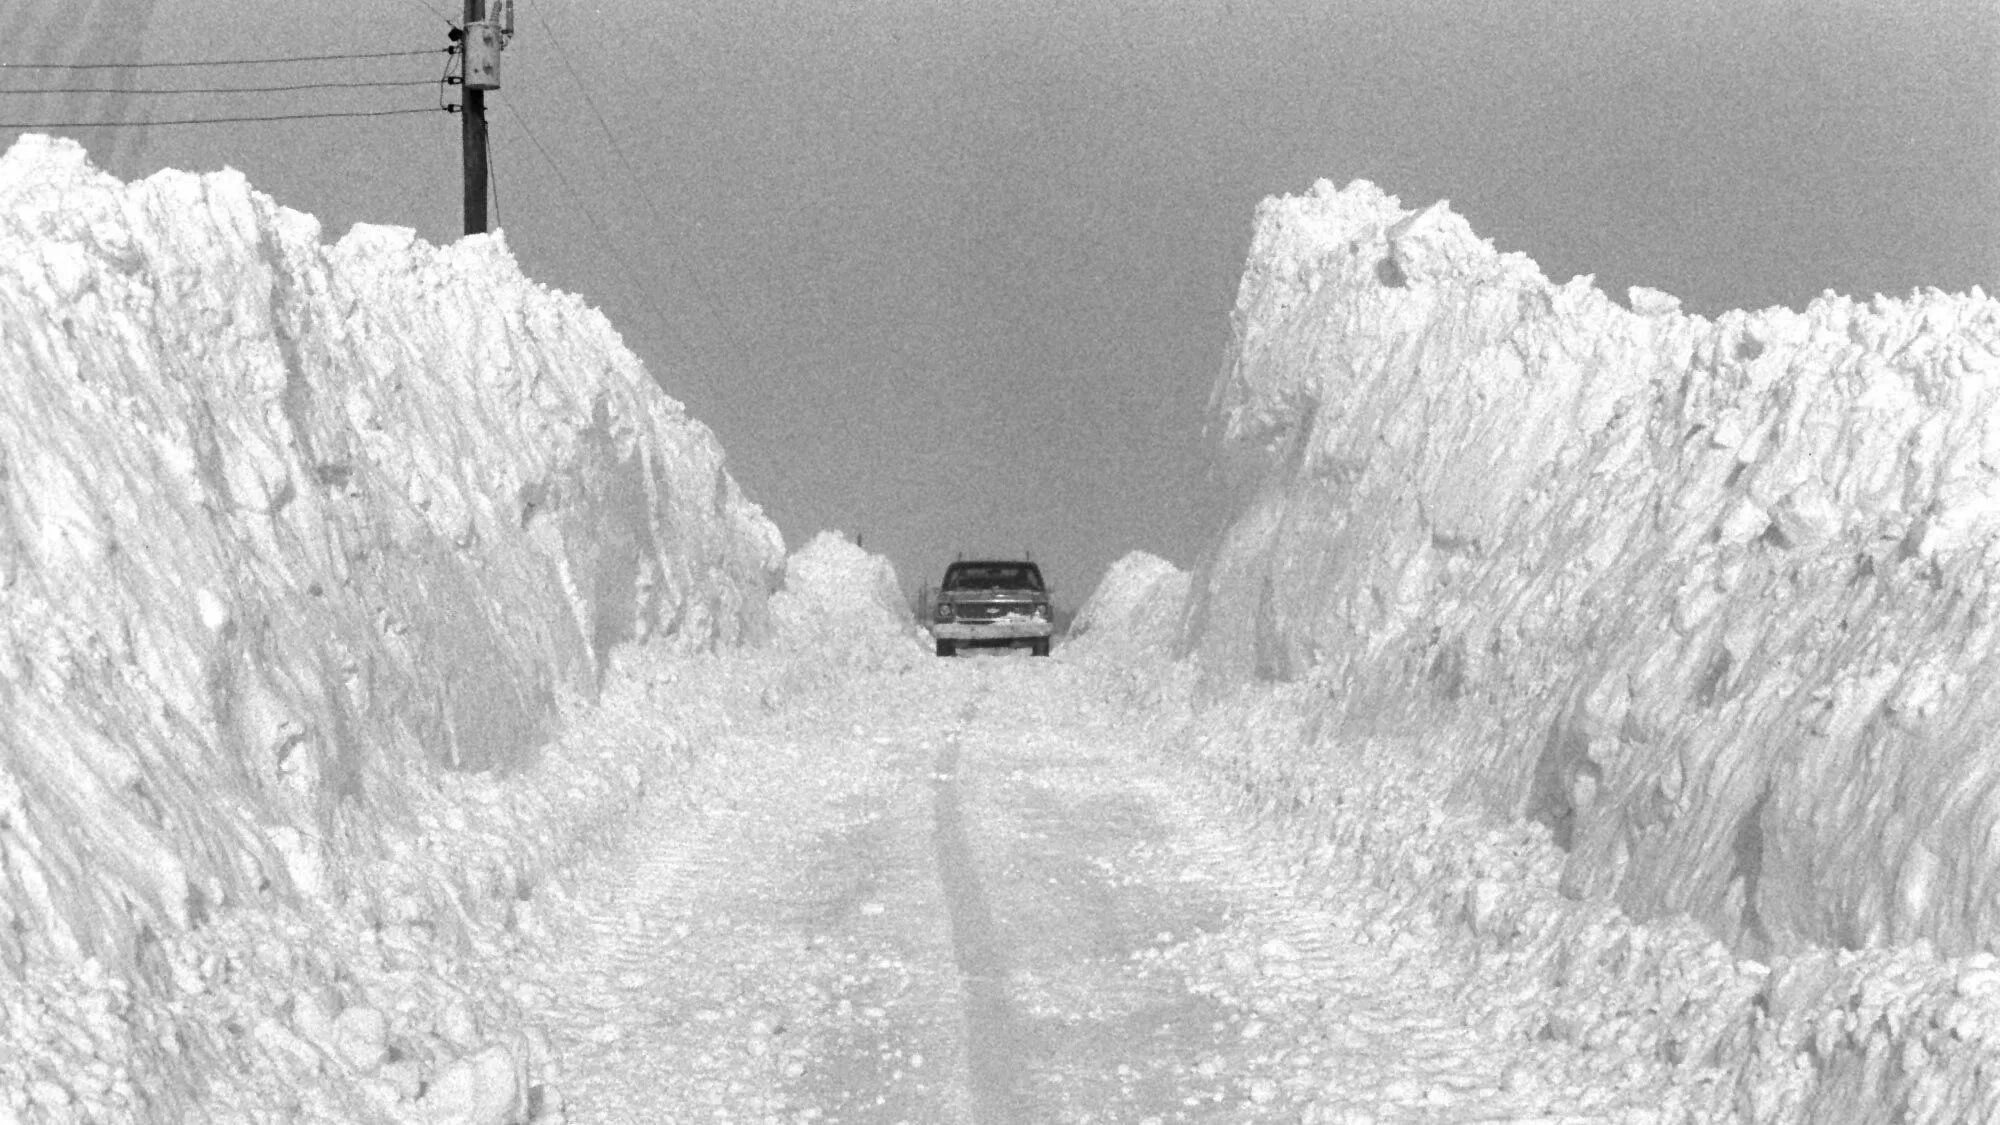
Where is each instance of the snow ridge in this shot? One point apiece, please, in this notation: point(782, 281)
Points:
point(288, 530)
point(1135, 608)
point(1712, 600)
point(843, 603)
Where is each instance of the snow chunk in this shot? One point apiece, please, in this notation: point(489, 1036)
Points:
point(361, 1036)
point(488, 1088)
point(1652, 302)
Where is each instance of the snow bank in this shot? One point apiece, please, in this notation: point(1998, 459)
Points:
point(1889, 1034)
point(1135, 608)
point(289, 531)
point(1713, 602)
point(842, 603)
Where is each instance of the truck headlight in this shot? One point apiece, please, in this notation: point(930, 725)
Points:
point(944, 611)
point(1042, 610)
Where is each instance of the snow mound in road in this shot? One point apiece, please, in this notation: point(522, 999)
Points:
point(844, 603)
point(1136, 607)
point(288, 531)
point(1713, 600)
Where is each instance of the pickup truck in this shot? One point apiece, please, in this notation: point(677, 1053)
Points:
point(992, 602)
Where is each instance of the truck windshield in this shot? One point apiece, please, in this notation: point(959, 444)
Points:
point(992, 576)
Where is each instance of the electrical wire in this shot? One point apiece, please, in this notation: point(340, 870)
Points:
point(692, 370)
point(5, 125)
point(703, 289)
point(605, 240)
point(220, 89)
point(575, 197)
point(444, 80)
point(432, 9)
point(493, 184)
point(6, 66)
point(702, 286)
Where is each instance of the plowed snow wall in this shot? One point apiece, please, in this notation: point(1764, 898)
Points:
point(1135, 609)
point(1714, 600)
point(287, 526)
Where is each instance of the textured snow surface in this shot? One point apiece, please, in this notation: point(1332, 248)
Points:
point(1711, 601)
point(1001, 889)
point(1889, 1034)
point(1136, 607)
point(843, 603)
point(295, 537)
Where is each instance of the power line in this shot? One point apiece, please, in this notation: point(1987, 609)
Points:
point(215, 62)
point(432, 9)
point(574, 197)
point(207, 120)
point(609, 244)
point(493, 185)
point(702, 287)
point(222, 89)
point(444, 79)
point(692, 369)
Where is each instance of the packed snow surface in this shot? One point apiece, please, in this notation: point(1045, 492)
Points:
point(999, 889)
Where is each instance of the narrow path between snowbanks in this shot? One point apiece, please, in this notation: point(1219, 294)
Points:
point(973, 892)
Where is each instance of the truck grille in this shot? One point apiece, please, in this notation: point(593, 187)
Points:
point(988, 611)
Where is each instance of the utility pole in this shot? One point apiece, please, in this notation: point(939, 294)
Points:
point(480, 55)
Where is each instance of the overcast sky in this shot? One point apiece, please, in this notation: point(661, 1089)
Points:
point(955, 275)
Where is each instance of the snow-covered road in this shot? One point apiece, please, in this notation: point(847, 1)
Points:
point(974, 892)
point(405, 717)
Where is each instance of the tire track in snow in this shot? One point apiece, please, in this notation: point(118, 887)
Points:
point(1040, 838)
point(991, 1034)
point(1176, 960)
point(977, 893)
point(774, 947)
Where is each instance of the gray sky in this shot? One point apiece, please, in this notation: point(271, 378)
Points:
point(956, 275)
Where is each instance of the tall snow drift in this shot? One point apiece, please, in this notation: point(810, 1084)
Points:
point(1713, 600)
point(1136, 608)
point(287, 527)
point(843, 602)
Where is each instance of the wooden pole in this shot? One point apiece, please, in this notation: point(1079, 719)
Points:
point(472, 133)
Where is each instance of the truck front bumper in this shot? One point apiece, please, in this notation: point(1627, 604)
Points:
point(1020, 628)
